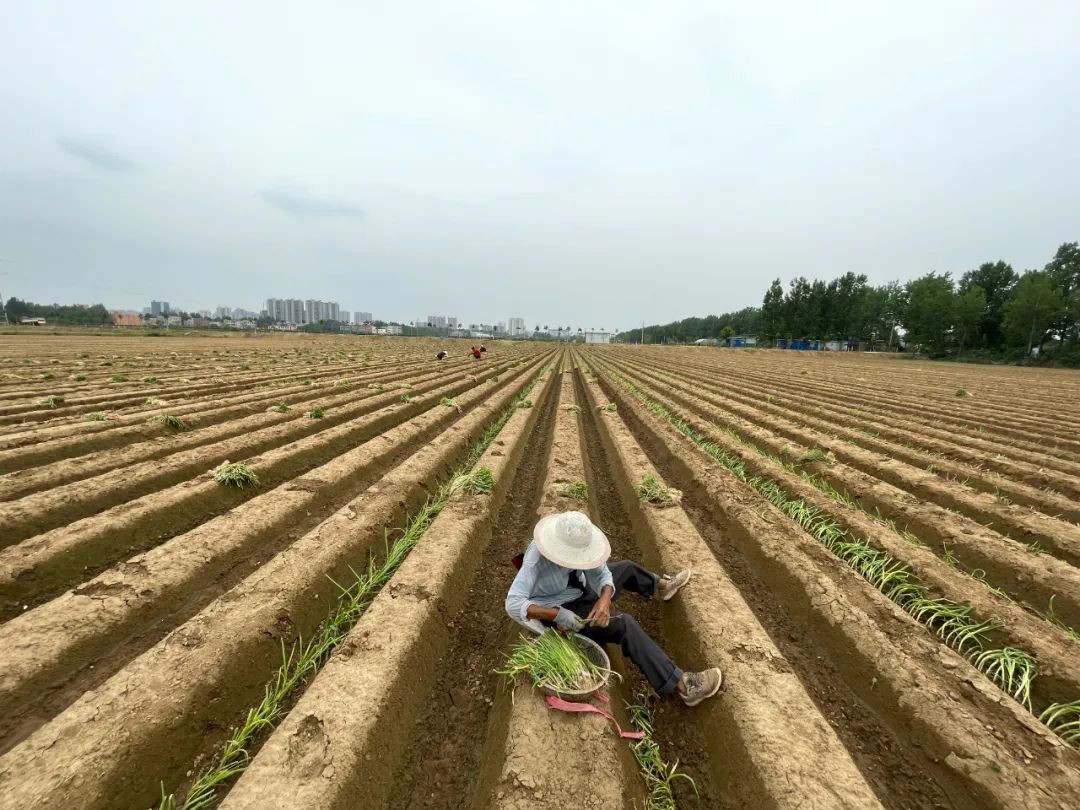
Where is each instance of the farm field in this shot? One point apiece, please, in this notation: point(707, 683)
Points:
point(886, 560)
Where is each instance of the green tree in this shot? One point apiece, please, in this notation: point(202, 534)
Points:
point(1035, 306)
point(797, 308)
point(17, 308)
point(845, 303)
point(815, 312)
point(1064, 273)
point(772, 311)
point(930, 311)
point(726, 334)
point(68, 314)
point(881, 311)
point(997, 280)
point(745, 321)
point(970, 309)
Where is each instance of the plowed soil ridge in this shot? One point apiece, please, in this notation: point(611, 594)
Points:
point(145, 607)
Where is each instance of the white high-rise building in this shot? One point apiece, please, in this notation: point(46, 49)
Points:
point(364, 317)
point(315, 311)
point(285, 310)
point(516, 327)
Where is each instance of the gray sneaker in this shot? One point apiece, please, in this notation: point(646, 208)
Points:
point(701, 685)
point(673, 583)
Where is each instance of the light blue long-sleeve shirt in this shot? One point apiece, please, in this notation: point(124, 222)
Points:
point(545, 584)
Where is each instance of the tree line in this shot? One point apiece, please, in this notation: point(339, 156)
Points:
point(66, 314)
point(990, 311)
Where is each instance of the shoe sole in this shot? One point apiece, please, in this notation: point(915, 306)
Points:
point(671, 594)
point(719, 683)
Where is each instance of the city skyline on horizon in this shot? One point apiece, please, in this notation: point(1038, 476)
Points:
point(423, 321)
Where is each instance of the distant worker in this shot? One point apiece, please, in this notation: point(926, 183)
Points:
point(441, 355)
point(483, 348)
point(564, 581)
point(475, 353)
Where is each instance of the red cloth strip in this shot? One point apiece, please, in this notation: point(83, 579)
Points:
point(587, 708)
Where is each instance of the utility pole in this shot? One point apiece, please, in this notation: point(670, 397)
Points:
point(643, 333)
point(3, 303)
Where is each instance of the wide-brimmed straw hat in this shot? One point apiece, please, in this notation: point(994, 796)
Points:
point(571, 540)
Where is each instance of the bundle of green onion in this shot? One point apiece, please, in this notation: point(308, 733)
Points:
point(554, 661)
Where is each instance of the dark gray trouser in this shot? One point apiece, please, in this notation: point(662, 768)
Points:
point(624, 630)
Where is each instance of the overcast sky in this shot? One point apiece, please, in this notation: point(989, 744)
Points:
point(584, 163)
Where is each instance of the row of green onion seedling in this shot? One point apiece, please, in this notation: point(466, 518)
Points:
point(305, 658)
point(1011, 669)
point(820, 483)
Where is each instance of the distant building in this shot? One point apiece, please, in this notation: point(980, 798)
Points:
point(31, 321)
point(126, 319)
point(801, 344)
point(516, 327)
point(297, 311)
point(598, 337)
point(315, 311)
point(221, 313)
point(362, 317)
point(276, 309)
point(393, 329)
point(294, 311)
point(159, 308)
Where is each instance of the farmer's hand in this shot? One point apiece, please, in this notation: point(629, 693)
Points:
point(601, 611)
point(567, 620)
